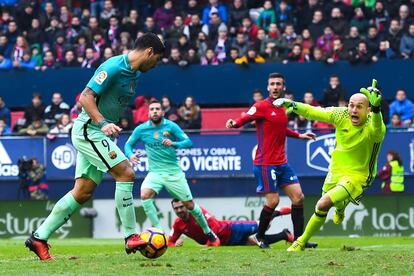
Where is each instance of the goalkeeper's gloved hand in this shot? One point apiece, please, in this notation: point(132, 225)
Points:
point(373, 94)
point(287, 103)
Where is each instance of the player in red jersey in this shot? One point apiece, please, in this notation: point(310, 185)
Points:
point(271, 170)
point(229, 232)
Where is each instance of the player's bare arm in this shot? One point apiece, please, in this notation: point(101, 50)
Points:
point(231, 123)
point(307, 136)
point(88, 102)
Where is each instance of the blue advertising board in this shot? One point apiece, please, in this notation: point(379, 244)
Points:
point(212, 156)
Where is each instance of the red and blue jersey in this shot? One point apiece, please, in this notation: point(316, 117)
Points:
point(229, 232)
point(271, 131)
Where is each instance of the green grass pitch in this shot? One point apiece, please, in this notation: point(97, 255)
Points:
point(334, 256)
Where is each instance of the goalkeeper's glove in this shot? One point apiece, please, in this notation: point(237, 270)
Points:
point(374, 96)
point(287, 103)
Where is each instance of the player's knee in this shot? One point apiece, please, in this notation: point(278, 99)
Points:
point(129, 174)
point(81, 196)
point(298, 199)
point(324, 204)
point(272, 202)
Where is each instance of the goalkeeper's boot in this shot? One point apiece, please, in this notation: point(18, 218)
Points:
point(212, 239)
point(285, 210)
point(261, 242)
point(338, 216)
point(134, 243)
point(296, 246)
point(39, 247)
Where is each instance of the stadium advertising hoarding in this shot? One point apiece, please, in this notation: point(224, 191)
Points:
point(380, 216)
point(222, 155)
point(19, 218)
point(375, 216)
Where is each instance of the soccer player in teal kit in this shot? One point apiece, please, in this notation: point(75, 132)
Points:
point(103, 100)
point(161, 138)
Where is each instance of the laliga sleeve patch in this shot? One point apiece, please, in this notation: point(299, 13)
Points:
point(101, 77)
point(252, 110)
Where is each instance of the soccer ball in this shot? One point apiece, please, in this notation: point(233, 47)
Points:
point(157, 242)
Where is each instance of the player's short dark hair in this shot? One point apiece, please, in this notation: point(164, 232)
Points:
point(276, 75)
point(257, 91)
point(174, 200)
point(150, 40)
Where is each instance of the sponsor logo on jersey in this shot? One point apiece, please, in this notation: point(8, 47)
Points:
point(165, 133)
point(318, 152)
point(273, 113)
point(156, 135)
point(101, 77)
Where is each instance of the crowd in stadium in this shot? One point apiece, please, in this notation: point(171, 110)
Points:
point(48, 34)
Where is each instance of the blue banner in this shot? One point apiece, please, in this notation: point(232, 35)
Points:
point(212, 156)
point(14, 148)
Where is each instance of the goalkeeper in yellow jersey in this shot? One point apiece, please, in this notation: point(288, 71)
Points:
point(359, 135)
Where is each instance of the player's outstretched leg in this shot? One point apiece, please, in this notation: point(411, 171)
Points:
point(285, 234)
point(151, 212)
point(195, 210)
point(339, 214)
point(284, 210)
point(61, 213)
point(265, 218)
point(314, 224)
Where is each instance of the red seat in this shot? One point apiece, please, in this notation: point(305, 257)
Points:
point(14, 117)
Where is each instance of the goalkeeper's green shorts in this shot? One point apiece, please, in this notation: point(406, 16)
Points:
point(340, 188)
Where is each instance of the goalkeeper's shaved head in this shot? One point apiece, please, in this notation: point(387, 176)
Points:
point(358, 109)
point(359, 97)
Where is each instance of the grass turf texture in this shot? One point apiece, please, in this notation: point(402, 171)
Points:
point(334, 256)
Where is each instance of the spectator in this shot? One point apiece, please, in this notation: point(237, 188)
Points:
point(53, 31)
point(295, 55)
point(234, 54)
point(49, 62)
point(402, 106)
point(222, 45)
point(182, 44)
point(191, 9)
point(250, 57)
point(360, 21)
point(55, 110)
point(107, 13)
point(93, 27)
point(241, 43)
point(317, 55)
point(47, 14)
point(125, 124)
point(394, 35)
point(338, 22)
point(307, 15)
point(380, 17)
point(170, 110)
point(36, 34)
point(176, 58)
point(36, 128)
point(217, 8)
point(27, 62)
point(193, 28)
point(384, 51)
point(190, 114)
point(317, 25)
point(21, 46)
point(59, 48)
point(4, 128)
point(212, 28)
point(4, 111)
point(325, 42)
point(202, 44)
point(249, 28)
point(373, 39)
point(176, 30)
point(392, 174)
point(63, 126)
point(309, 99)
point(338, 52)
point(74, 30)
point(112, 32)
point(90, 60)
point(351, 41)
point(70, 60)
point(65, 17)
point(37, 55)
point(238, 12)
point(306, 41)
point(165, 15)
point(132, 24)
point(5, 63)
point(395, 121)
point(407, 43)
point(191, 57)
point(286, 41)
point(210, 58)
point(12, 32)
point(266, 16)
point(283, 14)
point(405, 19)
point(361, 54)
point(35, 110)
point(334, 93)
point(150, 26)
point(5, 46)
